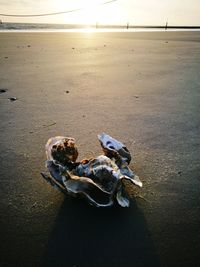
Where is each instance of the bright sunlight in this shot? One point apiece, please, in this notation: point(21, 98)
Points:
point(91, 12)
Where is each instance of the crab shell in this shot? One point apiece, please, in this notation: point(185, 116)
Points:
point(98, 180)
point(62, 147)
point(114, 148)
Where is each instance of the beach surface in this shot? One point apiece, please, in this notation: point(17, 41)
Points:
point(141, 88)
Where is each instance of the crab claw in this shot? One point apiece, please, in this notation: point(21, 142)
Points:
point(113, 148)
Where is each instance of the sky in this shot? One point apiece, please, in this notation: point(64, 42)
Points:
point(136, 12)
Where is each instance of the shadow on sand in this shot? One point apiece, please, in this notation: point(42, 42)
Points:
point(88, 236)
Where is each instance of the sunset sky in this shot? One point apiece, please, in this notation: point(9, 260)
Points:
point(137, 12)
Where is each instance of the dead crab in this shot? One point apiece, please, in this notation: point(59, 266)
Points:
point(99, 179)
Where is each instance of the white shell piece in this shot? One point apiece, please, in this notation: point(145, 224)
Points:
point(135, 180)
point(122, 201)
point(111, 145)
point(86, 187)
point(110, 142)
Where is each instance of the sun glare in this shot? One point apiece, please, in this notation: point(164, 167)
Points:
point(91, 12)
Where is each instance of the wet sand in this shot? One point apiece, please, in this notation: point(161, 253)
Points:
point(141, 88)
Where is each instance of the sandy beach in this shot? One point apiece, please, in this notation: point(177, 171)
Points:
point(141, 88)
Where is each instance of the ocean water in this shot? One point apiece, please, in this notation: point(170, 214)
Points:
point(42, 27)
point(37, 27)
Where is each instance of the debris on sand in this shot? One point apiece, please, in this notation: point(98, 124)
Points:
point(3, 90)
point(99, 179)
point(67, 92)
point(12, 99)
point(48, 125)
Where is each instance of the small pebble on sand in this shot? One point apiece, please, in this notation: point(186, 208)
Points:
point(12, 99)
point(3, 90)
